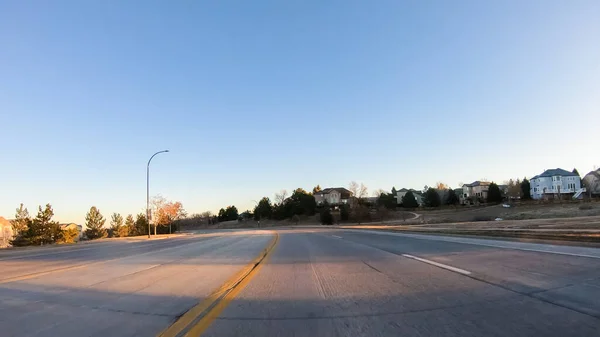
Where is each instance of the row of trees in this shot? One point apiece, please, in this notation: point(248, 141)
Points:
point(42, 229)
point(298, 203)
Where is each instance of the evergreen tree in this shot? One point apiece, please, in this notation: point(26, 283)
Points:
point(409, 200)
point(263, 209)
point(20, 226)
point(494, 194)
point(42, 230)
point(452, 197)
point(94, 221)
point(116, 225)
point(141, 225)
point(431, 198)
point(526, 189)
point(21, 221)
point(130, 225)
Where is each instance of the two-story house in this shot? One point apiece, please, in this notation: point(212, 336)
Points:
point(555, 183)
point(333, 196)
point(477, 190)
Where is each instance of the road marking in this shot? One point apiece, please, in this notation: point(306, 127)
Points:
point(335, 236)
point(196, 320)
point(437, 264)
point(594, 253)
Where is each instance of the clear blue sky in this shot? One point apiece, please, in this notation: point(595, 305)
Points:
point(256, 96)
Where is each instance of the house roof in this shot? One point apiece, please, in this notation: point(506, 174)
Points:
point(555, 172)
point(478, 183)
point(409, 189)
point(337, 189)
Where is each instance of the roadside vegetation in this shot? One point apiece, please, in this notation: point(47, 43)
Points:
point(43, 230)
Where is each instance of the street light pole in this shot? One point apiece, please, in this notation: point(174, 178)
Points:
point(148, 216)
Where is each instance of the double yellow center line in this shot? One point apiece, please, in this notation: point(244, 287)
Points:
point(196, 320)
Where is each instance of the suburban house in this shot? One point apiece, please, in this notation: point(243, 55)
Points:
point(474, 191)
point(402, 192)
point(591, 181)
point(555, 183)
point(6, 232)
point(333, 196)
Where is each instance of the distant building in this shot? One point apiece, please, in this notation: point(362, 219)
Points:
point(333, 196)
point(6, 232)
point(477, 190)
point(591, 181)
point(555, 183)
point(402, 192)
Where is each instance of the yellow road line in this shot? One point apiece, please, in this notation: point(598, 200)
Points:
point(194, 320)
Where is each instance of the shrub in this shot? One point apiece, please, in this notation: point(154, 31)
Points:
point(326, 217)
point(344, 214)
point(69, 236)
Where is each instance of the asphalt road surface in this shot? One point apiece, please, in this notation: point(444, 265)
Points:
point(301, 282)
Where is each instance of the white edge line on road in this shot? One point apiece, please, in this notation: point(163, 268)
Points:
point(441, 265)
point(452, 239)
point(335, 236)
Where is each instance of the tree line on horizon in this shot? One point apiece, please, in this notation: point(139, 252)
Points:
point(42, 229)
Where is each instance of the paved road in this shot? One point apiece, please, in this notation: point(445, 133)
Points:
point(314, 282)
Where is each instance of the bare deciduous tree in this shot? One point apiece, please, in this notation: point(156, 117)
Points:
point(358, 191)
point(280, 197)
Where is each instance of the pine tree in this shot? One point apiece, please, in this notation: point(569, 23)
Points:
point(526, 189)
point(130, 225)
point(452, 197)
point(494, 194)
point(409, 200)
point(141, 224)
point(94, 221)
point(432, 198)
point(42, 230)
point(116, 226)
point(20, 226)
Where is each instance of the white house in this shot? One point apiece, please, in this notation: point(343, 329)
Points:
point(555, 183)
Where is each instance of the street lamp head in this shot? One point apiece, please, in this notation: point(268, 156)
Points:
point(166, 150)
